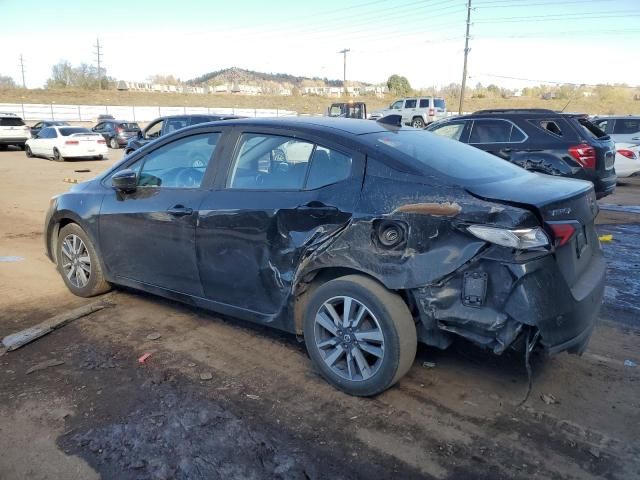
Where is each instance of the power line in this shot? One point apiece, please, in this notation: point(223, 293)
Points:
point(560, 16)
point(492, 75)
point(98, 54)
point(466, 54)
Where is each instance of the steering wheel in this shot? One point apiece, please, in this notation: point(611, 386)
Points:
point(189, 178)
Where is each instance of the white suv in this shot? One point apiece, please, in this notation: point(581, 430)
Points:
point(13, 131)
point(415, 111)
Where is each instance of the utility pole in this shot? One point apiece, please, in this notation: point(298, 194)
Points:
point(344, 71)
point(24, 84)
point(466, 54)
point(98, 56)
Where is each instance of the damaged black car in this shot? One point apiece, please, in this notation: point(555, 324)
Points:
point(363, 237)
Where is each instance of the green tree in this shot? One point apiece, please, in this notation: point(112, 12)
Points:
point(7, 82)
point(399, 85)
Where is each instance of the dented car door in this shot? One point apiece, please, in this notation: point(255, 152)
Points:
point(281, 198)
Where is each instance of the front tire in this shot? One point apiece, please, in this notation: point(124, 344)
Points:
point(359, 335)
point(113, 143)
point(417, 122)
point(27, 151)
point(78, 263)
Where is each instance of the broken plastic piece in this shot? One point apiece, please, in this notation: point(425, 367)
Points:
point(605, 238)
point(144, 357)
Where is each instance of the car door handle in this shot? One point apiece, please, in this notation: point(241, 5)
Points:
point(635, 138)
point(180, 211)
point(317, 208)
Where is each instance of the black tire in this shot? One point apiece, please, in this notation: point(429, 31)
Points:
point(96, 283)
point(395, 323)
point(113, 143)
point(2, 147)
point(27, 151)
point(417, 122)
point(56, 155)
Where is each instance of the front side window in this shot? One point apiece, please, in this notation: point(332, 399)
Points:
point(397, 105)
point(494, 131)
point(451, 130)
point(411, 103)
point(154, 130)
point(179, 164)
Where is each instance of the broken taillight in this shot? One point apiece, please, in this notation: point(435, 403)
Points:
point(562, 232)
point(584, 154)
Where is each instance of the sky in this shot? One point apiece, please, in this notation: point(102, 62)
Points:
point(513, 43)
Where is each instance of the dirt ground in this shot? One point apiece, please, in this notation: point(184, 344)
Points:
point(220, 398)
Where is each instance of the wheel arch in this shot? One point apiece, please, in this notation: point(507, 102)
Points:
point(307, 284)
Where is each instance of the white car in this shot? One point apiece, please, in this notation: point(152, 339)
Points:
point(627, 159)
point(13, 131)
point(416, 111)
point(62, 142)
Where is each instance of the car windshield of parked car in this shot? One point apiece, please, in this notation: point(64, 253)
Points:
point(430, 153)
point(65, 132)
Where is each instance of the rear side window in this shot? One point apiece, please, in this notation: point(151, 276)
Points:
point(623, 126)
point(424, 103)
point(273, 162)
point(327, 167)
point(410, 103)
point(65, 132)
point(11, 122)
point(551, 126)
point(589, 129)
point(495, 131)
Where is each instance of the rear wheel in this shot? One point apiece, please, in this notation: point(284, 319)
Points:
point(78, 263)
point(27, 151)
point(57, 156)
point(417, 122)
point(359, 335)
point(113, 143)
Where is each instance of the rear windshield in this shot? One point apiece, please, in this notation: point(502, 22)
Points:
point(65, 132)
point(11, 122)
point(130, 126)
point(439, 104)
point(429, 152)
point(590, 130)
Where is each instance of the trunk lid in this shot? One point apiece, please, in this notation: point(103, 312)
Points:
point(557, 202)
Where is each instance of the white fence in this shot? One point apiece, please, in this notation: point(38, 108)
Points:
point(89, 113)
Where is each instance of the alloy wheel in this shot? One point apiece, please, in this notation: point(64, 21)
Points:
point(76, 262)
point(349, 338)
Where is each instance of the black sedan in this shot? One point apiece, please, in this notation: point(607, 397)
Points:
point(364, 237)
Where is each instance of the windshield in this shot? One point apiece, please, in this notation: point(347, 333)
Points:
point(461, 163)
point(65, 132)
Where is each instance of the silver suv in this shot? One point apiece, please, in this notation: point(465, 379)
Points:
point(623, 129)
point(13, 131)
point(415, 111)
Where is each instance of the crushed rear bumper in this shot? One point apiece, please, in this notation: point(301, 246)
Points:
point(530, 293)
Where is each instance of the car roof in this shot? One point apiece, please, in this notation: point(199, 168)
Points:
point(515, 113)
point(328, 124)
point(8, 114)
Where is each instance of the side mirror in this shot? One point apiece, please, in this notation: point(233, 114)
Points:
point(125, 180)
